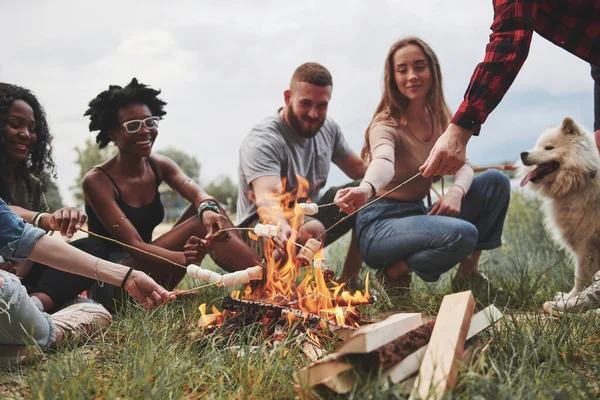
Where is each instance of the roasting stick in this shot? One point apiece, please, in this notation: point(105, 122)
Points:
point(368, 204)
point(133, 247)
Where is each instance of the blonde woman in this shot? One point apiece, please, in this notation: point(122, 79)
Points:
point(398, 234)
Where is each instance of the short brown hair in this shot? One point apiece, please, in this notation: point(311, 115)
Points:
point(313, 73)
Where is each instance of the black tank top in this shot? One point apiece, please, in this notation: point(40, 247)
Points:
point(144, 218)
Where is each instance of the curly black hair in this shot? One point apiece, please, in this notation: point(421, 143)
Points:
point(104, 109)
point(39, 161)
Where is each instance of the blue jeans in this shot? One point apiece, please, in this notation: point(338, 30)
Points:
point(21, 322)
point(390, 231)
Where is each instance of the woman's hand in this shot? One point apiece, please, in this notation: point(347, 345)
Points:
point(67, 220)
point(351, 199)
point(194, 250)
point(449, 204)
point(214, 222)
point(145, 291)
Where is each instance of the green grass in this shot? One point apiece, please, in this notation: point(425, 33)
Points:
point(152, 355)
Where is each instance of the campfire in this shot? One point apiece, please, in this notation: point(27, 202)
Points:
point(295, 286)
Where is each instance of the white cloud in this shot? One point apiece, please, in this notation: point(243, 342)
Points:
point(223, 66)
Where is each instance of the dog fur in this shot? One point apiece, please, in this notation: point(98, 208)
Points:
point(564, 166)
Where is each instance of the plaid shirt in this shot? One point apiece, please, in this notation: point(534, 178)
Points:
point(573, 25)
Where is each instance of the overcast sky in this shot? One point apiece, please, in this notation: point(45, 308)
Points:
point(223, 66)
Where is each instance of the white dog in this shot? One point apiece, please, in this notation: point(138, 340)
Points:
point(564, 166)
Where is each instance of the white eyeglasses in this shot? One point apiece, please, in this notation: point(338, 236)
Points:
point(135, 125)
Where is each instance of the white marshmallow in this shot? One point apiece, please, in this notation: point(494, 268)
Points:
point(236, 278)
point(255, 273)
point(263, 230)
point(306, 208)
point(310, 248)
point(192, 270)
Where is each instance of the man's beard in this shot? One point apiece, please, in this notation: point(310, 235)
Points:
point(296, 124)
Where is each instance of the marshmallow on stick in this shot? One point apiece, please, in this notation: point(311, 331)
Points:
point(263, 230)
point(200, 273)
point(306, 208)
point(235, 278)
point(310, 248)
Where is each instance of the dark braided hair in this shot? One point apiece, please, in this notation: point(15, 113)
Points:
point(39, 161)
point(104, 109)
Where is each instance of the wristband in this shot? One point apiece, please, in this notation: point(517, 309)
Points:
point(207, 205)
point(38, 217)
point(126, 276)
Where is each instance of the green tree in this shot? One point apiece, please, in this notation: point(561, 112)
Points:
point(88, 156)
point(225, 191)
point(53, 195)
point(188, 164)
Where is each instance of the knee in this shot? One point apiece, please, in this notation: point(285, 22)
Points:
point(465, 240)
point(10, 288)
point(499, 184)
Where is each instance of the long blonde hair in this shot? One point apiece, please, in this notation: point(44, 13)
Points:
point(391, 108)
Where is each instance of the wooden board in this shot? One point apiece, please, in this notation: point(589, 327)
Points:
point(410, 365)
point(371, 337)
point(322, 370)
point(439, 368)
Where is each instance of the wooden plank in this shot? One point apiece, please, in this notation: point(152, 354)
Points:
point(410, 365)
point(366, 339)
point(371, 337)
point(322, 370)
point(439, 368)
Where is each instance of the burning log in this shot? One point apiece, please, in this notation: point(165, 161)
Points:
point(274, 311)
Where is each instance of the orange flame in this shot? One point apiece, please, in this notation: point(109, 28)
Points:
point(314, 294)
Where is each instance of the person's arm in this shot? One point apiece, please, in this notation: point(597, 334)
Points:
point(512, 30)
point(189, 190)
point(353, 166)
point(451, 202)
point(596, 76)
point(379, 172)
point(60, 255)
point(20, 240)
point(102, 197)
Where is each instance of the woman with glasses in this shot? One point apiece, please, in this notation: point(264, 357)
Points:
point(122, 198)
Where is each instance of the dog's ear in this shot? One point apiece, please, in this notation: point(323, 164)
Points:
point(569, 126)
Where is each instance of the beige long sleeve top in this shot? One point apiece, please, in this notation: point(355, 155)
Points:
point(396, 155)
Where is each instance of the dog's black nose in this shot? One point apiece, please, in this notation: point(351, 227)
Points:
point(524, 157)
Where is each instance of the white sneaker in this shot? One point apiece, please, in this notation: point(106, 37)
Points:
point(586, 300)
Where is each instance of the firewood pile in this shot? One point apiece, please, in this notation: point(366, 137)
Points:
point(401, 346)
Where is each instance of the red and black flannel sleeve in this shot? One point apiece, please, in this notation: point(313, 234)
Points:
point(512, 30)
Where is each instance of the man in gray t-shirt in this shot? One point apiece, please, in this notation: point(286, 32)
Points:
point(297, 141)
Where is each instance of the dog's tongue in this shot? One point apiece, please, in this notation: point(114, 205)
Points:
point(528, 177)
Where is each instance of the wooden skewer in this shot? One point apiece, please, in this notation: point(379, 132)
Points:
point(133, 248)
point(367, 204)
point(327, 205)
point(437, 193)
point(199, 287)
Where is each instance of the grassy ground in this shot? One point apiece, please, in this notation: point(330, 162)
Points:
point(151, 354)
